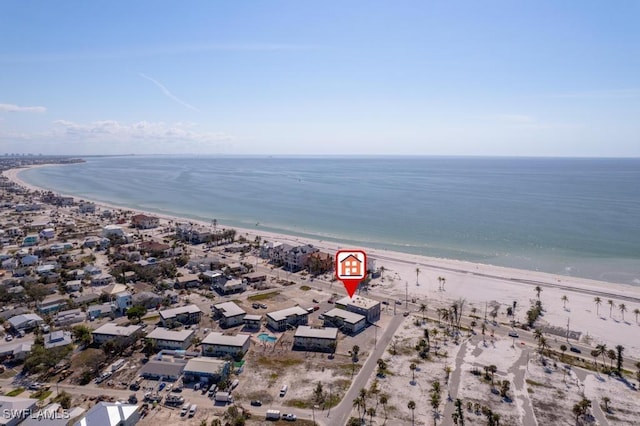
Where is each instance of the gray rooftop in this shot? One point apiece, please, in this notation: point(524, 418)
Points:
point(285, 313)
point(117, 330)
point(205, 365)
point(229, 309)
point(358, 301)
point(162, 333)
point(215, 338)
point(317, 333)
point(172, 313)
point(347, 316)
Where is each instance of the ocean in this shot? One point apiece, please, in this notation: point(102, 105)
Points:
point(569, 216)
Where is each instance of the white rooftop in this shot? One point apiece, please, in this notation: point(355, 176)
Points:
point(359, 301)
point(285, 313)
point(205, 365)
point(117, 330)
point(162, 333)
point(229, 309)
point(317, 333)
point(172, 313)
point(215, 338)
point(347, 316)
point(108, 414)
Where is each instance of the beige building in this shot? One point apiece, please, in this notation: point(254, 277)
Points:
point(164, 338)
point(219, 345)
point(315, 339)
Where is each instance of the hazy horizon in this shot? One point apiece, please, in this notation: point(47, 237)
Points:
point(543, 79)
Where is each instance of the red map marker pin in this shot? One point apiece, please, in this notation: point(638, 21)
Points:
point(351, 268)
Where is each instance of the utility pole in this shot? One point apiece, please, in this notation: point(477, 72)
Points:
point(406, 295)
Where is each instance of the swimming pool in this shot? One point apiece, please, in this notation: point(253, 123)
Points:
point(264, 337)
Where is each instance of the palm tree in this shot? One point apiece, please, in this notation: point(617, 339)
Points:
point(602, 350)
point(358, 404)
point(537, 334)
point(371, 412)
point(597, 301)
point(384, 400)
point(412, 406)
point(611, 306)
point(612, 355)
point(622, 309)
point(417, 274)
point(636, 312)
point(606, 402)
point(423, 309)
point(564, 299)
point(413, 367)
point(363, 397)
point(619, 360)
point(538, 290)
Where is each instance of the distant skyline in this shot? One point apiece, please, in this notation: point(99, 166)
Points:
point(501, 78)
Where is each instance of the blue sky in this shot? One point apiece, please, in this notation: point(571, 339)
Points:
point(505, 77)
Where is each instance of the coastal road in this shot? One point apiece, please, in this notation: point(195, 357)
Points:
point(340, 414)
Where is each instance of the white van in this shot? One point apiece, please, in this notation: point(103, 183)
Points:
point(192, 410)
point(235, 384)
point(283, 390)
point(185, 409)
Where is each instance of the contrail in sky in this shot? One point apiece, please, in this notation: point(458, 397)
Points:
point(168, 93)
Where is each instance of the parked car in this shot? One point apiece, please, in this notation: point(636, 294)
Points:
point(162, 386)
point(574, 349)
point(513, 334)
point(289, 417)
point(255, 305)
point(256, 403)
point(315, 301)
point(8, 338)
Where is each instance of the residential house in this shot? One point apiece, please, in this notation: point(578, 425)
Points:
point(360, 305)
point(15, 350)
point(47, 233)
point(142, 221)
point(30, 240)
point(192, 234)
point(154, 248)
point(255, 277)
point(29, 260)
point(101, 279)
point(25, 322)
point(237, 247)
point(231, 286)
point(123, 301)
point(113, 231)
point(100, 311)
point(287, 318)
point(206, 370)
point(52, 304)
point(296, 258)
point(147, 299)
point(163, 370)
point(87, 208)
point(68, 317)
point(188, 281)
point(348, 322)
point(110, 414)
point(267, 249)
point(73, 286)
point(220, 345)
point(11, 405)
point(229, 314)
point(121, 334)
point(252, 321)
point(315, 339)
point(164, 338)
point(189, 314)
point(319, 263)
point(57, 338)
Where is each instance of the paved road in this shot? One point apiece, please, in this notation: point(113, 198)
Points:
point(340, 414)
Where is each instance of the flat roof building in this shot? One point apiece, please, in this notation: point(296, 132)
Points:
point(290, 317)
point(361, 305)
point(220, 345)
point(206, 370)
point(119, 333)
point(347, 321)
point(164, 338)
point(189, 314)
point(315, 339)
point(229, 314)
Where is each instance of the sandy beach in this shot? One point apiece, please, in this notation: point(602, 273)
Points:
point(481, 284)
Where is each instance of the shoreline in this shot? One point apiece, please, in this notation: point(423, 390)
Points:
point(477, 283)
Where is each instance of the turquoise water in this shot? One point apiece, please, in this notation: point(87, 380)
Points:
point(264, 337)
point(570, 216)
